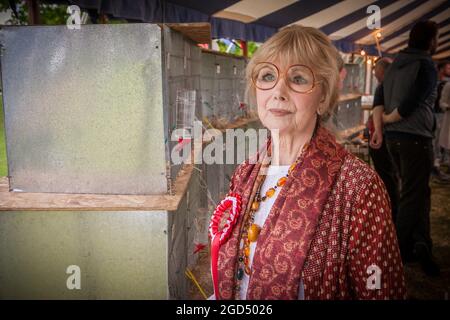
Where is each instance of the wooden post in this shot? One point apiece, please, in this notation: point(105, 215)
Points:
point(103, 18)
point(244, 49)
point(33, 12)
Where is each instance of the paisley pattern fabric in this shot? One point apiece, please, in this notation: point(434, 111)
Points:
point(330, 227)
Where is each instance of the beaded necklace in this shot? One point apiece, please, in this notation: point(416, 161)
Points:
point(251, 230)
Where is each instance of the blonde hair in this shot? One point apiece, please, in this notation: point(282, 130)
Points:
point(301, 45)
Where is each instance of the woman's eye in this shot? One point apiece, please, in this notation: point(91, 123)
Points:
point(268, 77)
point(299, 80)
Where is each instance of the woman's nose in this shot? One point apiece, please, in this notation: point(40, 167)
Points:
point(281, 90)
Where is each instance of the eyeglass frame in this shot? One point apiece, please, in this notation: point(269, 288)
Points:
point(279, 73)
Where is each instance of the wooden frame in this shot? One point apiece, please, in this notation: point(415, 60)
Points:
point(11, 200)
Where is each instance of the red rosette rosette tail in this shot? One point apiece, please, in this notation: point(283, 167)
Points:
point(218, 237)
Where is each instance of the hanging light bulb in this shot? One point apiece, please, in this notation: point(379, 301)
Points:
point(378, 35)
point(363, 53)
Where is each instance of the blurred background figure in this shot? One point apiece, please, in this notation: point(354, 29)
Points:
point(440, 154)
point(409, 95)
point(444, 105)
point(377, 146)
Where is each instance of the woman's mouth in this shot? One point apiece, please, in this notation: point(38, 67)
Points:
point(279, 112)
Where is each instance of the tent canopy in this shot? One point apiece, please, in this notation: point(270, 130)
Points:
point(345, 22)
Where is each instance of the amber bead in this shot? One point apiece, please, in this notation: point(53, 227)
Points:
point(281, 181)
point(247, 251)
point(255, 205)
point(270, 192)
point(292, 167)
point(253, 232)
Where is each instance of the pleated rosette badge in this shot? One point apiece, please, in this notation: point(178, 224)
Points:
point(218, 237)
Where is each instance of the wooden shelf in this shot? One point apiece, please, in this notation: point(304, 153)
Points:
point(349, 96)
point(12, 200)
point(199, 32)
point(241, 122)
point(351, 132)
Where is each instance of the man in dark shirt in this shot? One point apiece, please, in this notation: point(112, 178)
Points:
point(377, 147)
point(409, 93)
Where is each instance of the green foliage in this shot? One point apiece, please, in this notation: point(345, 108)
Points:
point(251, 47)
point(50, 14)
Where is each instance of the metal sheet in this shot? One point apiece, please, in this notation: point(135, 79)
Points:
point(83, 109)
point(121, 255)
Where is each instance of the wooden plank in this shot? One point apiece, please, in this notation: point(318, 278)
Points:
point(29, 201)
point(199, 32)
point(4, 184)
point(235, 124)
point(348, 96)
point(350, 133)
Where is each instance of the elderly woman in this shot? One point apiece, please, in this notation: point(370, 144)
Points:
point(312, 221)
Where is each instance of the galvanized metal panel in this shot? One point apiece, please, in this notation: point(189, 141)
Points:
point(121, 255)
point(83, 109)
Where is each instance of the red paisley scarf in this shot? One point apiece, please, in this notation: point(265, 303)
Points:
point(286, 236)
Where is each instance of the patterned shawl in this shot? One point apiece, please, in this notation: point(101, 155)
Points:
point(286, 236)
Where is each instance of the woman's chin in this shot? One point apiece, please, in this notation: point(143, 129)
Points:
point(273, 122)
point(272, 126)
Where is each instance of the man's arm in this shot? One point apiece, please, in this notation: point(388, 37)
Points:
point(423, 86)
point(377, 115)
point(376, 139)
point(394, 116)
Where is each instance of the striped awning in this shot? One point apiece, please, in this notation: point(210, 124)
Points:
point(343, 21)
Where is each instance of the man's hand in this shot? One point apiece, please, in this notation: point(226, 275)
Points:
point(392, 117)
point(376, 139)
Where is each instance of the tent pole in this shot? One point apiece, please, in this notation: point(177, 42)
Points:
point(378, 46)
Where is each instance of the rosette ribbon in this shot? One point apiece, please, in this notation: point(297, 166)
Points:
point(219, 237)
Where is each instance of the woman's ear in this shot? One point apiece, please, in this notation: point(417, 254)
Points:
point(322, 102)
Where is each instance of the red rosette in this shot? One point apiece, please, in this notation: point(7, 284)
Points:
point(233, 202)
point(219, 237)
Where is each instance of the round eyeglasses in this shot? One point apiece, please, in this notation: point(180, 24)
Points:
point(299, 77)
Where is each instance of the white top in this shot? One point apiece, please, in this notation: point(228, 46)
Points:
point(273, 174)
